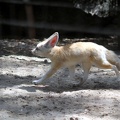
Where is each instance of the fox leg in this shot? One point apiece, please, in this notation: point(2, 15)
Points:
point(116, 71)
point(107, 65)
point(71, 71)
point(53, 69)
point(86, 67)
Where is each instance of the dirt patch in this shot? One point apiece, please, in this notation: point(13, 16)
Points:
point(58, 98)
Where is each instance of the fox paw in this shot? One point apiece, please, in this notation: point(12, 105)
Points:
point(36, 82)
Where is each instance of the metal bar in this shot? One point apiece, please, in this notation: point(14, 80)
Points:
point(70, 28)
point(41, 3)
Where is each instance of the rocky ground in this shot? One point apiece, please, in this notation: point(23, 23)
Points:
point(58, 98)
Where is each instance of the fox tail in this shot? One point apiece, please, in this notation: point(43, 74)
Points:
point(113, 58)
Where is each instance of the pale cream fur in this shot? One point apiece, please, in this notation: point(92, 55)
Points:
point(84, 53)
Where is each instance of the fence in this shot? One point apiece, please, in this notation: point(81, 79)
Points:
point(28, 18)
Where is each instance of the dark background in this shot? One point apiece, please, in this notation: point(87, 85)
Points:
point(40, 18)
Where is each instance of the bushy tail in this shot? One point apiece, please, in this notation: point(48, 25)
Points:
point(113, 58)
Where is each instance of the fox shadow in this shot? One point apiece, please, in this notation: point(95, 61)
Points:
point(106, 84)
point(59, 85)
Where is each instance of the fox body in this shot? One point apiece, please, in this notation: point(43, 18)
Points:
point(84, 53)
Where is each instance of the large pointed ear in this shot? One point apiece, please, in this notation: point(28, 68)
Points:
point(52, 40)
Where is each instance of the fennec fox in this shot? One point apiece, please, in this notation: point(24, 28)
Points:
point(84, 53)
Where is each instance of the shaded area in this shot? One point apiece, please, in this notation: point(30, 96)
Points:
point(35, 19)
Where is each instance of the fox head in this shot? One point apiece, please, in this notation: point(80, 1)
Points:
point(43, 48)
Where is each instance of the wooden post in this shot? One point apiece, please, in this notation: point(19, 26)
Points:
point(12, 11)
point(30, 19)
